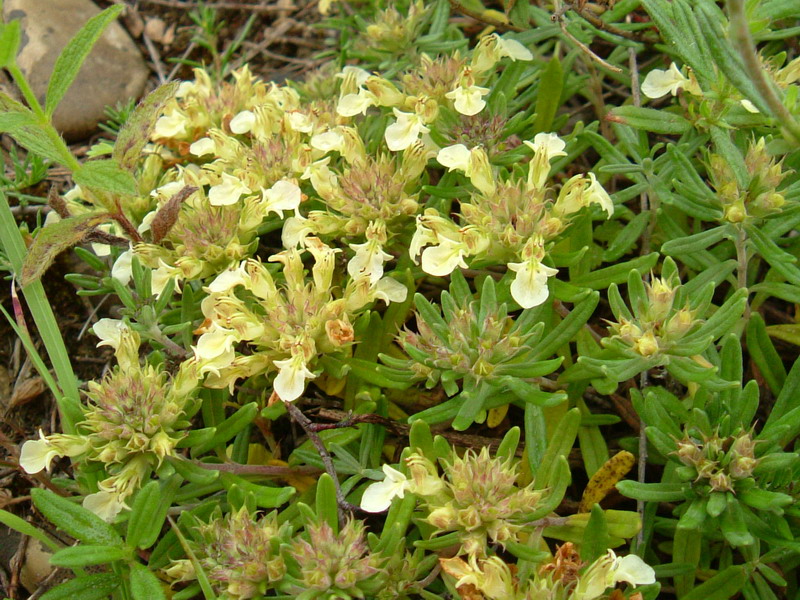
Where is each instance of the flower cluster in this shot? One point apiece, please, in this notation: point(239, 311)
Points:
point(134, 419)
point(657, 324)
point(476, 496)
point(507, 221)
point(565, 577)
point(287, 326)
point(759, 197)
point(328, 564)
point(241, 555)
point(474, 339)
point(718, 461)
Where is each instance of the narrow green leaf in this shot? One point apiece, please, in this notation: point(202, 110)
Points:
point(726, 57)
point(144, 584)
point(566, 329)
point(91, 587)
point(764, 355)
point(561, 442)
point(327, 507)
point(74, 53)
point(80, 523)
point(722, 586)
point(602, 278)
point(14, 522)
point(652, 120)
point(548, 99)
point(191, 471)
point(694, 243)
point(652, 492)
point(10, 34)
point(228, 428)
point(54, 239)
point(595, 536)
point(85, 555)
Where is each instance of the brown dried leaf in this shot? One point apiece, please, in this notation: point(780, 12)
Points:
point(27, 390)
point(167, 215)
point(135, 133)
point(54, 239)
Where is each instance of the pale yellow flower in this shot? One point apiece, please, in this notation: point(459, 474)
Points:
point(379, 495)
point(228, 192)
point(468, 100)
point(529, 287)
point(404, 131)
point(659, 82)
point(291, 379)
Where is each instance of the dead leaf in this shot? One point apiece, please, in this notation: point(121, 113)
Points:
point(27, 390)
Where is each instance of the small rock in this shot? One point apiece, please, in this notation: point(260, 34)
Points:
point(113, 72)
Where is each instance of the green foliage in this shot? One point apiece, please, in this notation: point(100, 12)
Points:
point(466, 251)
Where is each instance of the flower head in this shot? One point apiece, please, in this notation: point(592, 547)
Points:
point(659, 83)
point(378, 496)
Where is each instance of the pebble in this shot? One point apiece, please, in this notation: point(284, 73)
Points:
point(114, 71)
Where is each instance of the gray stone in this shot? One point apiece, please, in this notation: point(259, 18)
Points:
point(113, 72)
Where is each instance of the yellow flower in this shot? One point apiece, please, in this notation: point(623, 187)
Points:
point(379, 495)
point(404, 131)
point(468, 100)
point(442, 259)
point(291, 379)
point(529, 287)
point(243, 122)
point(659, 83)
point(228, 192)
point(283, 195)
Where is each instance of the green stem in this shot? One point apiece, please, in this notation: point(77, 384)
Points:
point(741, 270)
point(740, 30)
point(14, 247)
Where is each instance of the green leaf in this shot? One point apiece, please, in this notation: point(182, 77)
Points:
point(192, 471)
point(228, 428)
point(566, 329)
point(524, 552)
point(722, 586)
point(789, 397)
point(149, 511)
point(548, 99)
point(624, 241)
point(472, 403)
point(326, 506)
point(535, 436)
point(14, 522)
point(265, 496)
point(726, 57)
point(105, 175)
point(595, 536)
point(778, 259)
point(80, 523)
point(135, 133)
point(686, 548)
point(10, 35)
point(733, 525)
point(694, 243)
point(144, 584)
point(650, 119)
point(91, 587)
point(564, 434)
point(652, 492)
point(602, 278)
point(85, 555)
point(763, 353)
point(74, 54)
point(54, 239)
